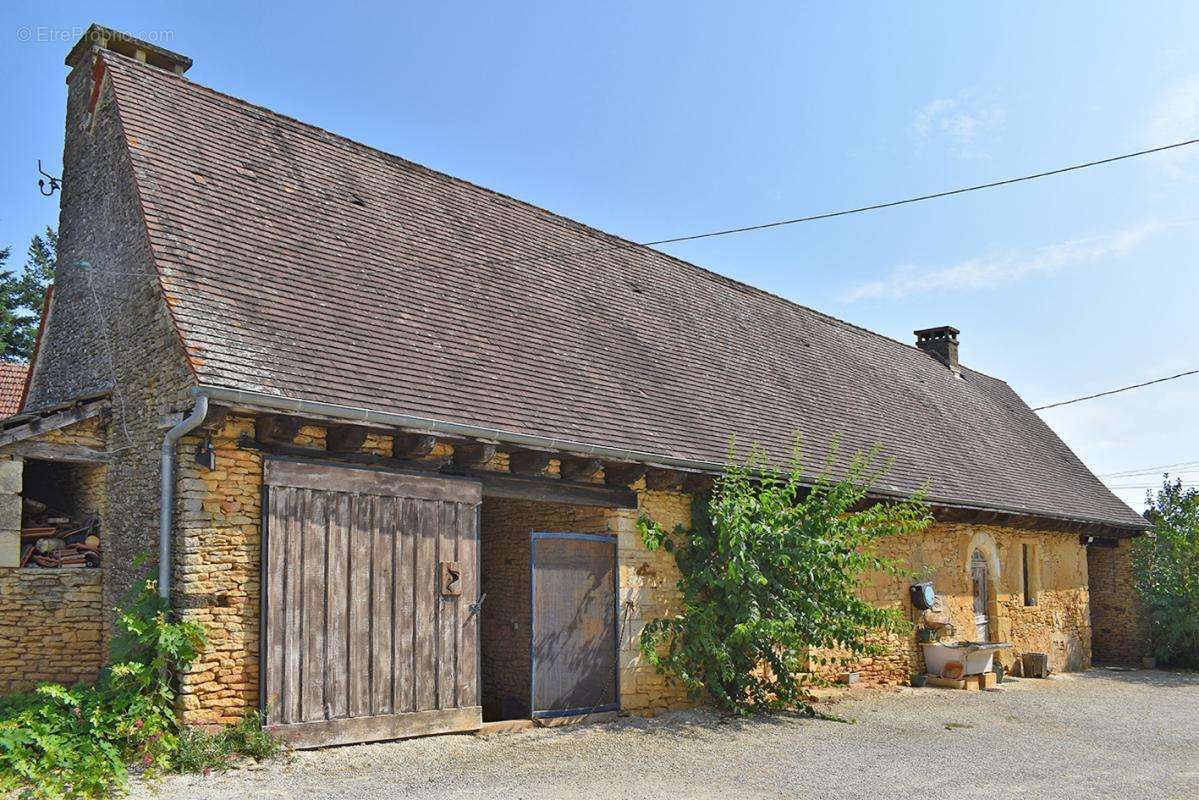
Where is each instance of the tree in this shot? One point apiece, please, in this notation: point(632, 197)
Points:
point(1166, 573)
point(770, 572)
point(21, 296)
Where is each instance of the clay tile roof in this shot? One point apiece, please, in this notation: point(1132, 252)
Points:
point(300, 263)
point(12, 387)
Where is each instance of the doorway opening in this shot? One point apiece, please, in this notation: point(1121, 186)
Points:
point(548, 622)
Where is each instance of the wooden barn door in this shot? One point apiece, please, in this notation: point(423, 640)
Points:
point(370, 627)
point(574, 624)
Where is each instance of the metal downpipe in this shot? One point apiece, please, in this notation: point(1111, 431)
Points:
point(167, 493)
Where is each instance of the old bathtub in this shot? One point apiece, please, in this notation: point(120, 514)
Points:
point(975, 657)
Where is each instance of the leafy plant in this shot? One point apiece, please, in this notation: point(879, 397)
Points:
point(59, 742)
point(770, 570)
point(1166, 573)
point(200, 751)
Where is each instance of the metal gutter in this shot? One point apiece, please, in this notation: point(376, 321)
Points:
point(167, 491)
point(351, 414)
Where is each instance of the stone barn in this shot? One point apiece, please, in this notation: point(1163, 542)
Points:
point(387, 434)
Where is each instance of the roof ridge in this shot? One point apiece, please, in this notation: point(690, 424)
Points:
point(627, 244)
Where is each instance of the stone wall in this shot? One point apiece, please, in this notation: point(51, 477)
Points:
point(217, 569)
point(108, 327)
point(648, 590)
point(49, 627)
point(1117, 629)
point(216, 572)
point(1057, 622)
point(217, 581)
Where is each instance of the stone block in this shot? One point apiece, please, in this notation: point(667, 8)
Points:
point(10, 548)
point(10, 511)
point(11, 474)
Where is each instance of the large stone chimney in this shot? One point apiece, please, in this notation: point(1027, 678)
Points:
point(942, 344)
point(100, 37)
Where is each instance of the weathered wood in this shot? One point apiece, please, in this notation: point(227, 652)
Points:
point(367, 480)
point(380, 728)
point(663, 480)
point(575, 468)
point(275, 602)
point(468, 615)
point(412, 445)
point(528, 462)
point(696, 483)
point(276, 429)
point(553, 490)
point(447, 611)
point(382, 612)
point(293, 636)
point(473, 454)
point(345, 438)
point(313, 615)
point(425, 622)
point(359, 663)
point(621, 473)
point(53, 422)
point(405, 592)
point(355, 623)
point(53, 451)
point(338, 609)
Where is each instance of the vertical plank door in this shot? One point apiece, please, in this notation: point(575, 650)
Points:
point(574, 624)
point(361, 641)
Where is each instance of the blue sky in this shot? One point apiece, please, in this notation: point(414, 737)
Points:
point(653, 120)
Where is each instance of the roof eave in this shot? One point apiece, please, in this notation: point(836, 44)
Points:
point(274, 403)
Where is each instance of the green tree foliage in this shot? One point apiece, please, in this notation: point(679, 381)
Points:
point(59, 742)
point(21, 296)
point(770, 570)
point(1166, 570)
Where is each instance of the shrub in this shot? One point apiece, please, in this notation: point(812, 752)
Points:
point(75, 742)
point(770, 570)
point(1166, 573)
point(200, 751)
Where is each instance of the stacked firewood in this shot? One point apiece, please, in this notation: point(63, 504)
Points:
point(58, 541)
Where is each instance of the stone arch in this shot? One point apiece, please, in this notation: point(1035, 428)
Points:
point(982, 542)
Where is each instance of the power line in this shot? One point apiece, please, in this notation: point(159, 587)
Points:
point(1129, 473)
point(1117, 391)
point(845, 212)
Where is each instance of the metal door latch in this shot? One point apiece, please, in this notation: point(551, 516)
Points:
point(477, 606)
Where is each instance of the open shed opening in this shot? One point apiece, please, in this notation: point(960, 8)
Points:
point(548, 622)
point(62, 505)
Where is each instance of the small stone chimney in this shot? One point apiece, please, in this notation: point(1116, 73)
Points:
point(942, 344)
point(103, 38)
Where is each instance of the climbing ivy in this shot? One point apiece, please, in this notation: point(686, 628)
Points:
point(770, 570)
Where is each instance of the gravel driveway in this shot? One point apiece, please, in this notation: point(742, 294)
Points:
point(1102, 733)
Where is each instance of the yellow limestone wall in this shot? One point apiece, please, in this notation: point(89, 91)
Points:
point(1059, 623)
point(51, 620)
point(217, 582)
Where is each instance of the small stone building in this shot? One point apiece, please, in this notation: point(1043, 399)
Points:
point(409, 426)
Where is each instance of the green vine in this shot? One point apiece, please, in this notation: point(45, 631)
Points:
point(770, 570)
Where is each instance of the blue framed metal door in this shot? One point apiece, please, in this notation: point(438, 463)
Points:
point(574, 638)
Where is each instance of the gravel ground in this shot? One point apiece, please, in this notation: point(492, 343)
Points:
point(1102, 733)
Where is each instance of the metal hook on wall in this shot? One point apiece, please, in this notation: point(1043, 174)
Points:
point(54, 185)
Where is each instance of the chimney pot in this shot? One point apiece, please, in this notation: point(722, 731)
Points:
point(942, 344)
point(102, 38)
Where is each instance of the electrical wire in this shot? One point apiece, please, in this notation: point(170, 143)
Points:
point(627, 245)
point(1117, 391)
point(1185, 466)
